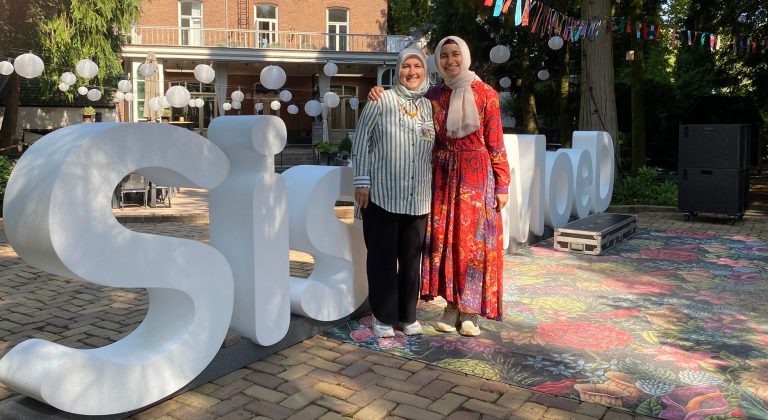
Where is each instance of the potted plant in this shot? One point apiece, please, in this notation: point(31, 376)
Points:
point(165, 115)
point(88, 113)
point(345, 147)
point(324, 149)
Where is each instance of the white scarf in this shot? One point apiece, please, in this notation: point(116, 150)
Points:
point(462, 117)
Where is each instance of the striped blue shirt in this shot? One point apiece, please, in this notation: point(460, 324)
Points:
point(392, 153)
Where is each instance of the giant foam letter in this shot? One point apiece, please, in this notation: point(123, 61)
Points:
point(558, 193)
point(249, 224)
point(600, 145)
point(523, 214)
point(58, 217)
point(583, 177)
point(338, 284)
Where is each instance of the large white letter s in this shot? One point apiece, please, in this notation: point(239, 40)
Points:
point(58, 218)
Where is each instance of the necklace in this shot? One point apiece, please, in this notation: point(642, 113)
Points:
point(409, 113)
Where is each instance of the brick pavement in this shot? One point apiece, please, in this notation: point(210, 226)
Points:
point(317, 378)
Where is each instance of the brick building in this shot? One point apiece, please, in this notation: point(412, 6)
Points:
point(240, 37)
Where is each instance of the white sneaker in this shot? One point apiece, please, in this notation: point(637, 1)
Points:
point(469, 325)
point(412, 329)
point(382, 330)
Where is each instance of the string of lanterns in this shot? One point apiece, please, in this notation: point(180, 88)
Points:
point(29, 65)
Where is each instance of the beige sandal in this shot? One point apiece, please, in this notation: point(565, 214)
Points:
point(469, 326)
point(448, 320)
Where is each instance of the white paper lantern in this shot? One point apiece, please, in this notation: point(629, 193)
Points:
point(227, 106)
point(555, 43)
point(293, 109)
point(431, 65)
point(500, 54)
point(146, 70)
point(177, 96)
point(154, 104)
point(275, 105)
point(313, 108)
point(119, 96)
point(286, 95)
point(164, 101)
point(93, 95)
point(63, 87)
point(330, 69)
point(28, 65)
point(237, 96)
point(354, 103)
point(199, 102)
point(68, 78)
point(128, 97)
point(86, 68)
point(331, 100)
point(236, 105)
point(204, 73)
point(124, 86)
point(505, 82)
point(6, 68)
point(82, 90)
point(543, 74)
point(191, 103)
point(273, 77)
point(259, 106)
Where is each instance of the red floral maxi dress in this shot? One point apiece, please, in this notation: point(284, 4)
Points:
point(463, 257)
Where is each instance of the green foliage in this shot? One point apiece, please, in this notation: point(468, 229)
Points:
point(5, 172)
point(406, 15)
point(87, 29)
point(345, 146)
point(324, 147)
point(645, 188)
point(88, 110)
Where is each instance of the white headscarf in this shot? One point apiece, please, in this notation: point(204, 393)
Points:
point(462, 117)
point(401, 90)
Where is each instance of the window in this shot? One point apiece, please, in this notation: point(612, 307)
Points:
point(266, 25)
point(191, 22)
point(388, 78)
point(343, 118)
point(338, 27)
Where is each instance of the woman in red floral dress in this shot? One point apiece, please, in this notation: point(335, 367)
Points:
point(463, 257)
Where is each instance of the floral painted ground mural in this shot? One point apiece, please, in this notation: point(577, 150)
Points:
point(667, 324)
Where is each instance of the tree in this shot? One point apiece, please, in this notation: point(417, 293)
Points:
point(598, 98)
point(638, 93)
point(65, 32)
point(17, 35)
point(406, 15)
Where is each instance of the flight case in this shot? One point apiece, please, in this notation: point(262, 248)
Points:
point(596, 233)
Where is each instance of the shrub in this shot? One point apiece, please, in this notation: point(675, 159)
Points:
point(345, 146)
point(645, 188)
point(88, 110)
point(5, 172)
point(324, 147)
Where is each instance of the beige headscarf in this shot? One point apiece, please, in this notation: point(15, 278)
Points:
point(462, 112)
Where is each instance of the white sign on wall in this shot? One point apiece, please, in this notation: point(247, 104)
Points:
point(58, 218)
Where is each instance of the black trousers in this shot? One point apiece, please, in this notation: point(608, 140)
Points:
point(394, 243)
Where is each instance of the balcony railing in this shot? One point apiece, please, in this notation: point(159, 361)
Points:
point(238, 38)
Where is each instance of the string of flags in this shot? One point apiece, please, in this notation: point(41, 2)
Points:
point(545, 20)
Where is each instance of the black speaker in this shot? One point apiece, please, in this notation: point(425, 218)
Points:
point(724, 146)
point(713, 190)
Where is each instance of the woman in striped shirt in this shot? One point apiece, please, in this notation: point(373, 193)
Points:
point(391, 152)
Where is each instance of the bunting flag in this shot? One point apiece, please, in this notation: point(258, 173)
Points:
point(547, 21)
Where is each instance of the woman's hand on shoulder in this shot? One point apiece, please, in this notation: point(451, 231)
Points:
point(375, 93)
